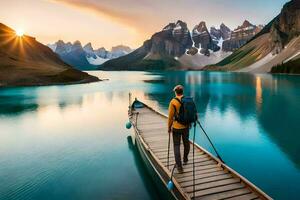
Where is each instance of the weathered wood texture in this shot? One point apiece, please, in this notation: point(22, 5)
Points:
point(213, 179)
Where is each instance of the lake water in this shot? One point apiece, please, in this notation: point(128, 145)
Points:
point(70, 142)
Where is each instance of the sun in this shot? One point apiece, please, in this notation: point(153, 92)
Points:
point(20, 32)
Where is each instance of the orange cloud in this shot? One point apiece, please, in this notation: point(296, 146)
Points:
point(138, 18)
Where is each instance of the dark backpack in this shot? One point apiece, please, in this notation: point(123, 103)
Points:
point(187, 111)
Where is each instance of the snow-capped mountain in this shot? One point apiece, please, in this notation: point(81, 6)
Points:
point(86, 57)
point(241, 35)
point(176, 47)
point(274, 49)
point(203, 39)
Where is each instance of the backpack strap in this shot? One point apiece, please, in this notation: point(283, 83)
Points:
point(176, 114)
point(178, 100)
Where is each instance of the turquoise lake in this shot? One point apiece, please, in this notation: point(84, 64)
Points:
point(70, 142)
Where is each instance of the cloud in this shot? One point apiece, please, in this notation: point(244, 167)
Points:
point(148, 16)
point(135, 15)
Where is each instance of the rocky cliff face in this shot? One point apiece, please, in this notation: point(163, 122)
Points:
point(161, 51)
point(172, 41)
point(225, 31)
point(203, 39)
point(240, 36)
point(174, 46)
point(74, 54)
point(86, 58)
point(222, 33)
point(286, 26)
point(277, 44)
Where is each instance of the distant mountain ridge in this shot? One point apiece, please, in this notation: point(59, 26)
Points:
point(24, 61)
point(175, 47)
point(86, 57)
point(275, 45)
point(241, 35)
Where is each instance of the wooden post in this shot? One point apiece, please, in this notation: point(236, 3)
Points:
point(130, 103)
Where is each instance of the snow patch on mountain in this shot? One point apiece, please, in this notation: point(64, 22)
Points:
point(199, 60)
point(96, 61)
point(90, 55)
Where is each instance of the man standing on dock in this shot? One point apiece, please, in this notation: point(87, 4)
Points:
point(179, 130)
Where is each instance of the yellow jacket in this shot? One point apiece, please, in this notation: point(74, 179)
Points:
point(171, 120)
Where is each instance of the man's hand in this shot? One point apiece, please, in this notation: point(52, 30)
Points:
point(169, 130)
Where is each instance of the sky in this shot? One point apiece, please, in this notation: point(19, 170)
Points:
point(107, 23)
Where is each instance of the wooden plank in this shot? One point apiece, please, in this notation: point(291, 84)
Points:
point(149, 135)
point(165, 149)
point(165, 153)
point(198, 165)
point(213, 184)
point(163, 146)
point(189, 157)
point(189, 168)
point(197, 160)
point(244, 197)
point(159, 138)
point(172, 157)
point(152, 128)
point(214, 180)
point(198, 172)
point(154, 120)
point(206, 175)
point(206, 180)
point(220, 192)
point(224, 195)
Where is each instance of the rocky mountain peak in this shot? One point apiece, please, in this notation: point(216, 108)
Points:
point(178, 25)
point(181, 24)
point(245, 26)
point(60, 42)
point(121, 48)
point(173, 40)
point(76, 46)
point(240, 36)
point(77, 43)
point(88, 47)
point(246, 23)
point(101, 49)
point(169, 26)
point(61, 47)
point(200, 29)
point(204, 40)
point(215, 33)
point(286, 26)
point(225, 31)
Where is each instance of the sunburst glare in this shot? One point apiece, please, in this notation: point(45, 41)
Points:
point(20, 32)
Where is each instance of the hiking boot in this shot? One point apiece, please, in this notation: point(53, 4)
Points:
point(185, 161)
point(179, 169)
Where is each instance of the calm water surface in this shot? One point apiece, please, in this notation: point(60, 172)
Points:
point(69, 142)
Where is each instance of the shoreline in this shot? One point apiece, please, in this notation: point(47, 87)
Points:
point(189, 69)
point(50, 84)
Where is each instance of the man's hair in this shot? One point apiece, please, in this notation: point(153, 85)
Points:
point(178, 89)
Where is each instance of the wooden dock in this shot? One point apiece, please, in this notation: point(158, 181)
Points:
point(213, 179)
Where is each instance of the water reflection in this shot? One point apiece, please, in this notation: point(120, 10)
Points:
point(147, 179)
point(252, 119)
point(259, 99)
point(256, 97)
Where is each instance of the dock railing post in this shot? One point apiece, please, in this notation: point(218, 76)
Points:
point(129, 99)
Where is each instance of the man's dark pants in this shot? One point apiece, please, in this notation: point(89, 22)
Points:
point(177, 135)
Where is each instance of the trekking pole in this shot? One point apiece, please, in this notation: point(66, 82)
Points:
point(218, 155)
point(194, 160)
point(168, 149)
